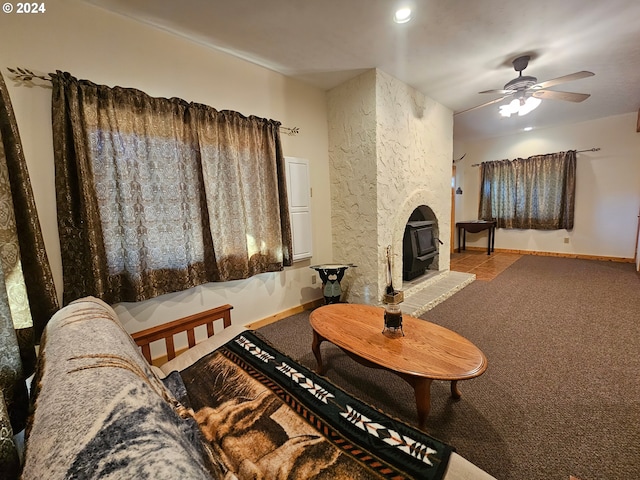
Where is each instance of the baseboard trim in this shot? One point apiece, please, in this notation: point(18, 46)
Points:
point(284, 314)
point(556, 254)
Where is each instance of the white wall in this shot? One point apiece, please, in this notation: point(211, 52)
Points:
point(93, 44)
point(607, 186)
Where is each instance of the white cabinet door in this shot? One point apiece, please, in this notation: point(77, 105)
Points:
point(299, 196)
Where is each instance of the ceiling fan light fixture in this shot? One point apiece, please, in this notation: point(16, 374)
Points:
point(511, 108)
point(520, 106)
point(402, 15)
point(529, 106)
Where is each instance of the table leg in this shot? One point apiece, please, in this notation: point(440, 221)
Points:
point(459, 244)
point(489, 241)
point(493, 238)
point(455, 392)
point(422, 388)
point(315, 348)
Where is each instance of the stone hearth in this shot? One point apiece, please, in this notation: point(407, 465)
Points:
point(424, 293)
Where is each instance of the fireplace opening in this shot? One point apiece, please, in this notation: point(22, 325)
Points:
point(419, 245)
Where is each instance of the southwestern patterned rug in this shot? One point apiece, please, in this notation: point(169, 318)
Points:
point(261, 411)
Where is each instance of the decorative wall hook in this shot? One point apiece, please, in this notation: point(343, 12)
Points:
point(290, 130)
point(25, 75)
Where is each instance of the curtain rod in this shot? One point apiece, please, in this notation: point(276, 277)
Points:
point(594, 149)
point(26, 76)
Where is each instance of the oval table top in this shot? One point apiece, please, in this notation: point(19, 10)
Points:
point(426, 349)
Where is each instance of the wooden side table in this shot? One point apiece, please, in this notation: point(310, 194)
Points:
point(475, 226)
point(331, 274)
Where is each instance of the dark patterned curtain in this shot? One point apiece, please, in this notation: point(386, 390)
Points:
point(14, 400)
point(27, 293)
point(498, 193)
point(244, 179)
point(533, 193)
point(159, 195)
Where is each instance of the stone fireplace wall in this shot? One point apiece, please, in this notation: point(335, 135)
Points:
point(390, 151)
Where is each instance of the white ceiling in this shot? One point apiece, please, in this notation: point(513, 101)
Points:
point(450, 50)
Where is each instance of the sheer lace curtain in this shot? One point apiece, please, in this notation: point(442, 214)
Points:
point(533, 193)
point(158, 195)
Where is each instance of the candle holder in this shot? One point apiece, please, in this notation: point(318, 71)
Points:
point(393, 320)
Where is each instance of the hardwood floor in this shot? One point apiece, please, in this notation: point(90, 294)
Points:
point(485, 267)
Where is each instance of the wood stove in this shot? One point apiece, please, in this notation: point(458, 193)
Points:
point(419, 248)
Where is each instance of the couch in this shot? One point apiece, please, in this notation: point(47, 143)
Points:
point(232, 406)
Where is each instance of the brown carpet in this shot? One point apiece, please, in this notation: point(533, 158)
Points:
point(561, 395)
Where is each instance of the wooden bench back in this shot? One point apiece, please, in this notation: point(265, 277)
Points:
point(188, 324)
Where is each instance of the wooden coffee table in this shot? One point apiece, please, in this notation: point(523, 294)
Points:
point(425, 353)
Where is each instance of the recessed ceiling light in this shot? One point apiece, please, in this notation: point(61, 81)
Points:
point(527, 129)
point(402, 15)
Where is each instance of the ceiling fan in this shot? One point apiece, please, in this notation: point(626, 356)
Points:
point(524, 87)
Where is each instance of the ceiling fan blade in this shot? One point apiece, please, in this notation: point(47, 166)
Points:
point(483, 105)
point(567, 96)
point(500, 92)
point(566, 78)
